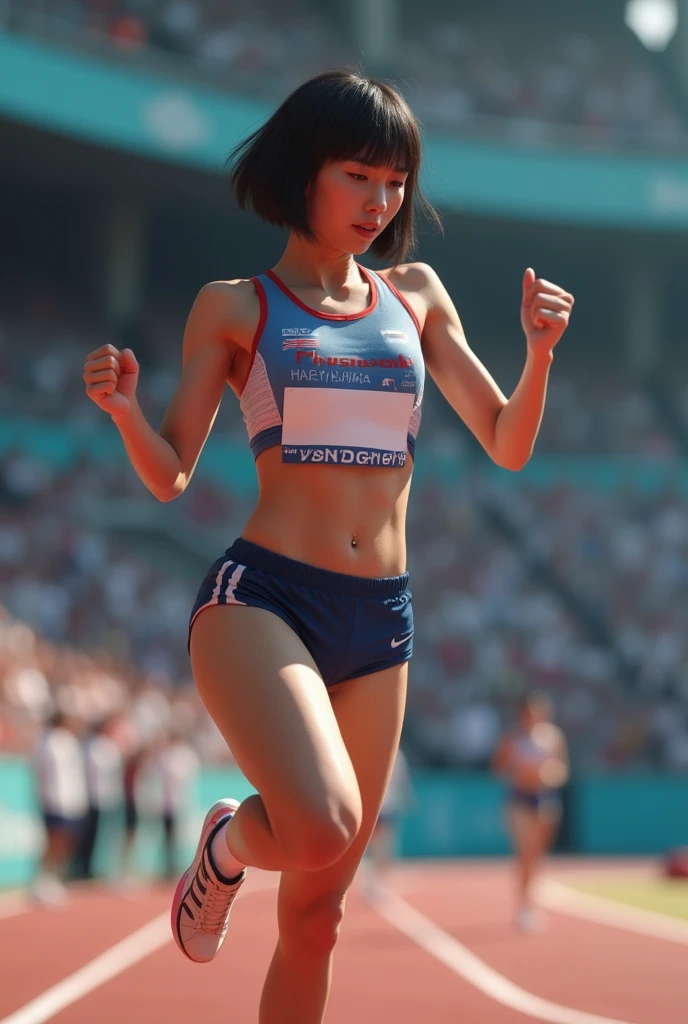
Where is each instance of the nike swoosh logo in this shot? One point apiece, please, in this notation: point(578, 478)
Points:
point(398, 643)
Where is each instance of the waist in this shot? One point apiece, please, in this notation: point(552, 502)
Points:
point(257, 557)
point(347, 521)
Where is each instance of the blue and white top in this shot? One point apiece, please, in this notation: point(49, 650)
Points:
point(334, 388)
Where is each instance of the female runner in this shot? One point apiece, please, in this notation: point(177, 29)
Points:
point(534, 758)
point(303, 628)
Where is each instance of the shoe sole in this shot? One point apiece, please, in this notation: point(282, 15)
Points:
point(220, 809)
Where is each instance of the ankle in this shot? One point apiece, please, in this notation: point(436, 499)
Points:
point(226, 865)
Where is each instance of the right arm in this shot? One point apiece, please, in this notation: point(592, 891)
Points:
point(165, 459)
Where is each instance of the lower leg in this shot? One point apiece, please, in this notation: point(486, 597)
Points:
point(543, 833)
point(296, 988)
point(53, 860)
point(526, 866)
point(298, 981)
point(170, 845)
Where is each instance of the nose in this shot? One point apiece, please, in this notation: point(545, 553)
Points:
point(377, 200)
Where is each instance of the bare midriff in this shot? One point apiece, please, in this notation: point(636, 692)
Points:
point(347, 519)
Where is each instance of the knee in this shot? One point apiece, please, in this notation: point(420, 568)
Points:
point(312, 929)
point(321, 839)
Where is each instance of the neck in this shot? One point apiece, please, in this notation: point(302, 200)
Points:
point(314, 265)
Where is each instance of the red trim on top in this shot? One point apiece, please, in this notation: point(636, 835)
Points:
point(263, 299)
point(331, 316)
point(404, 301)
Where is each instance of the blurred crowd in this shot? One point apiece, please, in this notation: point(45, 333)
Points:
point(608, 414)
point(76, 582)
point(50, 385)
point(584, 599)
point(516, 75)
point(523, 77)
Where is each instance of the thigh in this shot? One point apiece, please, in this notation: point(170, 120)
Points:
point(369, 711)
point(523, 827)
point(265, 694)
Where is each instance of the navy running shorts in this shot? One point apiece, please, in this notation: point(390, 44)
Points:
point(539, 801)
point(59, 823)
point(351, 625)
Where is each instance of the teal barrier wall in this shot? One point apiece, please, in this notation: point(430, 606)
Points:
point(170, 120)
point(453, 815)
point(20, 831)
point(630, 814)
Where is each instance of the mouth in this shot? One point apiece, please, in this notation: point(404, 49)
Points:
point(366, 230)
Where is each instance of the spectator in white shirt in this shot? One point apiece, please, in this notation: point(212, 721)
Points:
point(61, 788)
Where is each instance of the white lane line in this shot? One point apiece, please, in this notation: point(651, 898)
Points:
point(106, 966)
point(601, 910)
point(113, 961)
point(467, 965)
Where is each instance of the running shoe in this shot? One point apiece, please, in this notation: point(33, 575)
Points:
point(204, 898)
point(530, 919)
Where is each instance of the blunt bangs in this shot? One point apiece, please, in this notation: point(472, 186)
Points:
point(338, 115)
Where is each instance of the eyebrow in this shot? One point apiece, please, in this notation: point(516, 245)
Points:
point(367, 163)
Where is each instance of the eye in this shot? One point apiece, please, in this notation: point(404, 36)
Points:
point(398, 184)
point(356, 177)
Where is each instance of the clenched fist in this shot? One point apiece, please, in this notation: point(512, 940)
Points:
point(111, 377)
point(545, 312)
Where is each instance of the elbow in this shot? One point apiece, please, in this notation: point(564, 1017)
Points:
point(513, 463)
point(516, 467)
point(170, 494)
point(507, 453)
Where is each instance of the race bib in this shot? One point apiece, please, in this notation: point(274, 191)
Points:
point(345, 427)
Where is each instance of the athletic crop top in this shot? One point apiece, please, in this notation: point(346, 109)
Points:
point(333, 388)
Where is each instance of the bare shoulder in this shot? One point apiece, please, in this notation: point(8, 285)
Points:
point(227, 310)
point(412, 278)
point(419, 284)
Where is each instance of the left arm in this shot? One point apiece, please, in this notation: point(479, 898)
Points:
point(555, 771)
point(506, 428)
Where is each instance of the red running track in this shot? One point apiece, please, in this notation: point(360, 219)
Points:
point(381, 974)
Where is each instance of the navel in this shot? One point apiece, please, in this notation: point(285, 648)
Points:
point(354, 542)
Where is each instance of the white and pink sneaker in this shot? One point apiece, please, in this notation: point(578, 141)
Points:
point(204, 898)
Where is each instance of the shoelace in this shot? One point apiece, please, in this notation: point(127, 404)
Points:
point(218, 900)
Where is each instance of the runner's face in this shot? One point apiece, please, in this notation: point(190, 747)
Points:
point(535, 713)
point(352, 204)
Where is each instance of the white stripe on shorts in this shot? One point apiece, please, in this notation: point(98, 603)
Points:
point(218, 582)
point(229, 593)
point(233, 584)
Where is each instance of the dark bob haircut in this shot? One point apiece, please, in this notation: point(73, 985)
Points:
point(337, 115)
point(535, 698)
